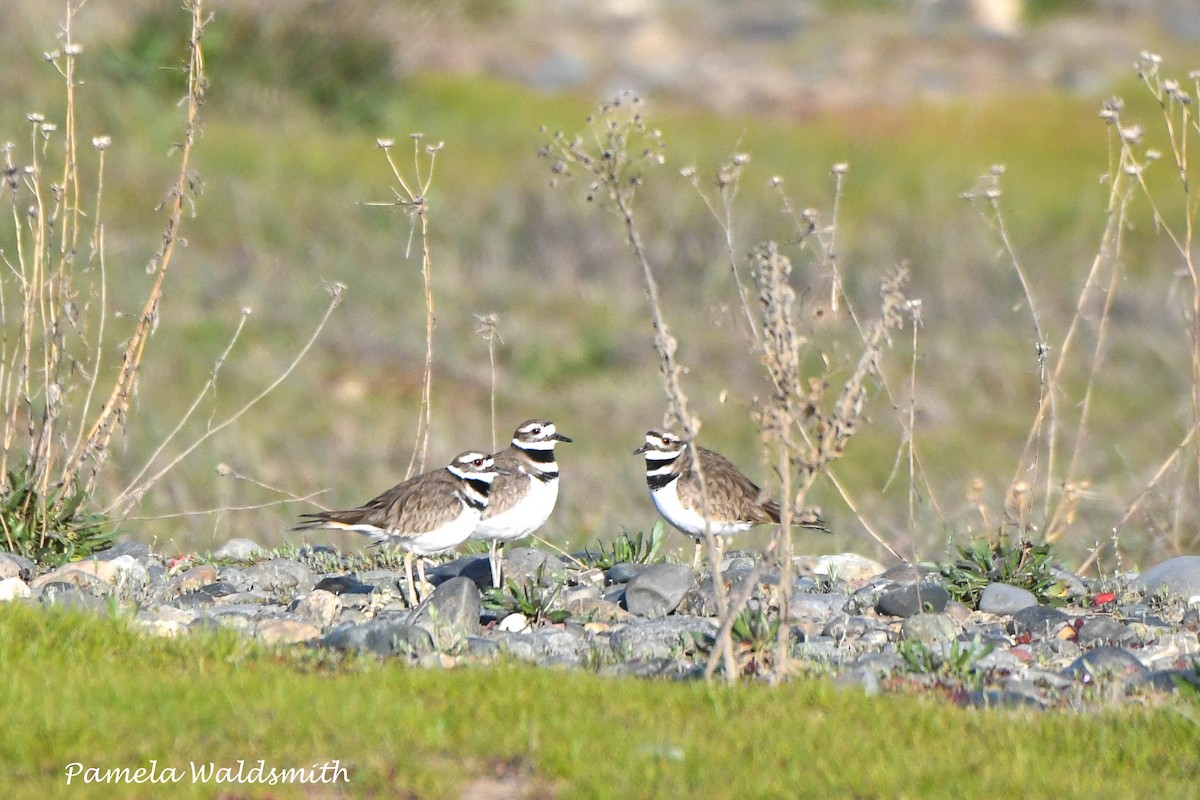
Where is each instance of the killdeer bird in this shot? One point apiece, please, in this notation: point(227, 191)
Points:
point(428, 514)
point(525, 491)
point(735, 503)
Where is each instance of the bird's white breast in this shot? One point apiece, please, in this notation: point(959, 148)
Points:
point(687, 520)
point(529, 514)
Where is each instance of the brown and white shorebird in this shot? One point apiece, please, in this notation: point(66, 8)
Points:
point(525, 491)
point(430, 513)
point(734, 502)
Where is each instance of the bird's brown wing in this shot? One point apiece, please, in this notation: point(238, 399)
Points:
point(406, 506)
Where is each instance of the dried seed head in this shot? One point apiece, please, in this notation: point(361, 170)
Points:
point(384, 143)
point(101, 142)
point(73, 48)
point(840, 168)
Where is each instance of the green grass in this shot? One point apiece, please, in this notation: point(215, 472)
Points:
point(84, 689)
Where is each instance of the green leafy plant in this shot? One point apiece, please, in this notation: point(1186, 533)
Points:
point(528, 596)
point(1020, 563)
point(51, 527)
point(957, 662)
point(755, 634)
point(627, 549)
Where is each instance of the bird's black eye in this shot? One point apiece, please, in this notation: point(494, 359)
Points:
point(536, 430)
point(665, 440)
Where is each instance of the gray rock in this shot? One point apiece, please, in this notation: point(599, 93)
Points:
point(815, 606)
point(15, 566)
point(130, 571)
point(1102, 663)
point(1039, 621)
point(319, 607)
point(240, 550)
point(523, 563)
point(1164, 680)
point(1178, 577)
point(451, 613)
point(68, 595)
point(1001, 598)
point(132, 549)
point(908, 573)
point(906, 601)
point(929, 628)
point(661, 637)
point(477, 568)
point(658, 589)
point(623, 572)
point(1104, 630)
point(1002, 698)
point(281, 574)
point(342, 584)
point(385, 636)
point(845, 626)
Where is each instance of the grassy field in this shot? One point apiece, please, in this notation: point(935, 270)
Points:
point(82, 689)
point(285, 179)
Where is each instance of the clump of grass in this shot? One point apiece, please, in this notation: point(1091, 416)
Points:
point(954, 662)
point(59, 416)
point(528, 596)
point(1023, 564)
point(629, 549)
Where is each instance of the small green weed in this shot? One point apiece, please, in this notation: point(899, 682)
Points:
point(50, 526)
point(626, 549)
point(1022, 564)
point(529, 597)
point(955, 663)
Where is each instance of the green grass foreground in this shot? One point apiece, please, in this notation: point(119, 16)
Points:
point(82, 689)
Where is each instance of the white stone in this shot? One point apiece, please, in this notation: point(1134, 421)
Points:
point(12, 588)
point(514, 623)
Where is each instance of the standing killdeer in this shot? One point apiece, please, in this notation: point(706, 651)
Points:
point(525, 491)
point(428, 514)
point(735, 503)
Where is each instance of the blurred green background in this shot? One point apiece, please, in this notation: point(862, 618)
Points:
point(918, 99)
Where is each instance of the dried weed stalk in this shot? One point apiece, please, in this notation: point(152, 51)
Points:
point(412, 198)
point(808, 432)
point(614, 154)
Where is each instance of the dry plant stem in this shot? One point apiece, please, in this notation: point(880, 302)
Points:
point(133, 493)
point(416, 204)
point(1110, 252)
point(95, 444)
point(728, 178)
point(1173, 101)
point(1135, 505)
point(208, 386)
point(489, 330)
point(665, 344)
point(1047, 384)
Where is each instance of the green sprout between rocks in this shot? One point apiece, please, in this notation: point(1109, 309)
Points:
point(1022, 564)
point(528, 596)
point(956, 661)
point(52, 526)
point(629, 549)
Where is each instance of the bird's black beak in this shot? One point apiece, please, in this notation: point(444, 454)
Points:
point(563, 437)
point(641, 450)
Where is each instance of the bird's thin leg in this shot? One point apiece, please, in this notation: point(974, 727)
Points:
point(408, 577)
point(696, 556)
point(494, 557)
point(421, 570)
